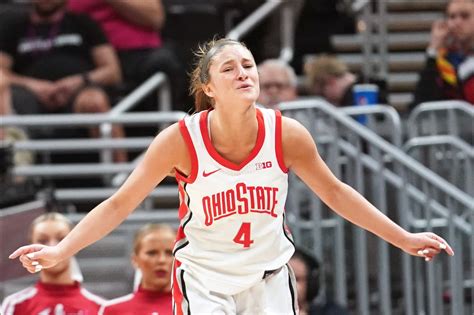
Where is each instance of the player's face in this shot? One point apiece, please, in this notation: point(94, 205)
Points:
point(301, 275)
point(460, 14)
point(155, 259)
point(233, 76)
point(50, 233)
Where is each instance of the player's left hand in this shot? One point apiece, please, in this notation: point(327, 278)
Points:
point(426, 245)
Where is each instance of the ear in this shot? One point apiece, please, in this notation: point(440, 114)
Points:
point(134, 261)
point(208, 90)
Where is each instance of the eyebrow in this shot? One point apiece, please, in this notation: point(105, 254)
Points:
point(233, 60)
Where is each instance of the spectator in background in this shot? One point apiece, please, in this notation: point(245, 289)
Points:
point(57, 291)
point(153, 258)
point(56, 62)
point(278, 83)
point(449, 68)
point(307, 270)
point(5, 99)
point(133, 28)
point(330, 78)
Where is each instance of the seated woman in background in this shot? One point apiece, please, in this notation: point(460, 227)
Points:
point(153, 258)
point(57, 291)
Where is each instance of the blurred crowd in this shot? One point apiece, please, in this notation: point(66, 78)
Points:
point(69, 56)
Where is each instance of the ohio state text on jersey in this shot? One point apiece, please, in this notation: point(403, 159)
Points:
point(232, 225)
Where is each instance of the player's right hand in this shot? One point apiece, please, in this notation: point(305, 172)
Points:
point(36, 257)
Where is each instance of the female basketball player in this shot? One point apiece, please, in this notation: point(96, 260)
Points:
point(231, 161)
point(153, 257)
point(56, 292)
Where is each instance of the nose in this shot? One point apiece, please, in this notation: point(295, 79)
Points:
point(160, 258)
point(242, 74)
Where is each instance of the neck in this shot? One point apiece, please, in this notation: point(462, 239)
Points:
point(63, 278)
point(154, 288)
point(54, 17)
point(233, 127)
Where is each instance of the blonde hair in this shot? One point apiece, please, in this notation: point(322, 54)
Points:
point(50, 216)
point(319, 70)
point(148, 229)
point(200, 75)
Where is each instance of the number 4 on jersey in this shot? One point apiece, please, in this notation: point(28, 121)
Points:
point(243, 235)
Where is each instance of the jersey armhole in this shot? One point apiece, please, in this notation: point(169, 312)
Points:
point(278, 142)
point(192, 154)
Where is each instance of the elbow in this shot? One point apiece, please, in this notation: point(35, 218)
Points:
point(157, 22)
point(115, 77)
point(116, 207)
point(335, 195)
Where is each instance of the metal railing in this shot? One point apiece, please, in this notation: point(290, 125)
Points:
point(81, 170)
point(360, 268)
point(158, 82)
point(389, 114)
point(263, 12)
point(87, 120)
point(374, 22)
point(448, 156)
point(454, 118)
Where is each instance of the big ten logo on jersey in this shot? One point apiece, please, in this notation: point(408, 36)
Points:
point(263, 165)
point(241, 199)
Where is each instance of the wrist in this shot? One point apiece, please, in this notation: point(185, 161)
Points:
point(403, 239)
point(86, 80)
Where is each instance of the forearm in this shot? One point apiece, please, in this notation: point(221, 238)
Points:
point(105, 75)
point(96, 224)
point(351, 205)
point(20, 80)
point(145, 13)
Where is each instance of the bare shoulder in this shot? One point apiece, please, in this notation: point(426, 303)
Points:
point(296, 141)
point(169, 140)
point(293, 132)
point(171, 146)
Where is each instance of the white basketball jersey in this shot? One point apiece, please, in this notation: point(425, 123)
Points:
point(232, 226)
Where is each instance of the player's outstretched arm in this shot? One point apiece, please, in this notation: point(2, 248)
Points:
point(301, 156)
point(166, 152)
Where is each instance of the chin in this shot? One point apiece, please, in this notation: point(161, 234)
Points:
point(58, 269)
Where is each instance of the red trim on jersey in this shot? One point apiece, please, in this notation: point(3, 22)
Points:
point(177, 294)
point(192, 153)
point(278, 142)
point(221, 160)
point(183, 207)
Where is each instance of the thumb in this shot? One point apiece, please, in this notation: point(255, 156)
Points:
point(29, 250)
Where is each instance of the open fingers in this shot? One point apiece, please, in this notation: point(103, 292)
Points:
point(428, 253)
point(439, 242)
point(31, 265)
point(25, 250)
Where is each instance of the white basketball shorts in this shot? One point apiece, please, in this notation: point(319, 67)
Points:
point(274, 294)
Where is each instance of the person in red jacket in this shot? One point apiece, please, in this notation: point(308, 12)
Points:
point(56, 292)
point(153, 258)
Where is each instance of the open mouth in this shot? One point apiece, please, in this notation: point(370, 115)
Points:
point(244, 86)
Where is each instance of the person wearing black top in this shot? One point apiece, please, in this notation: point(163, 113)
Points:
point(56, 62)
